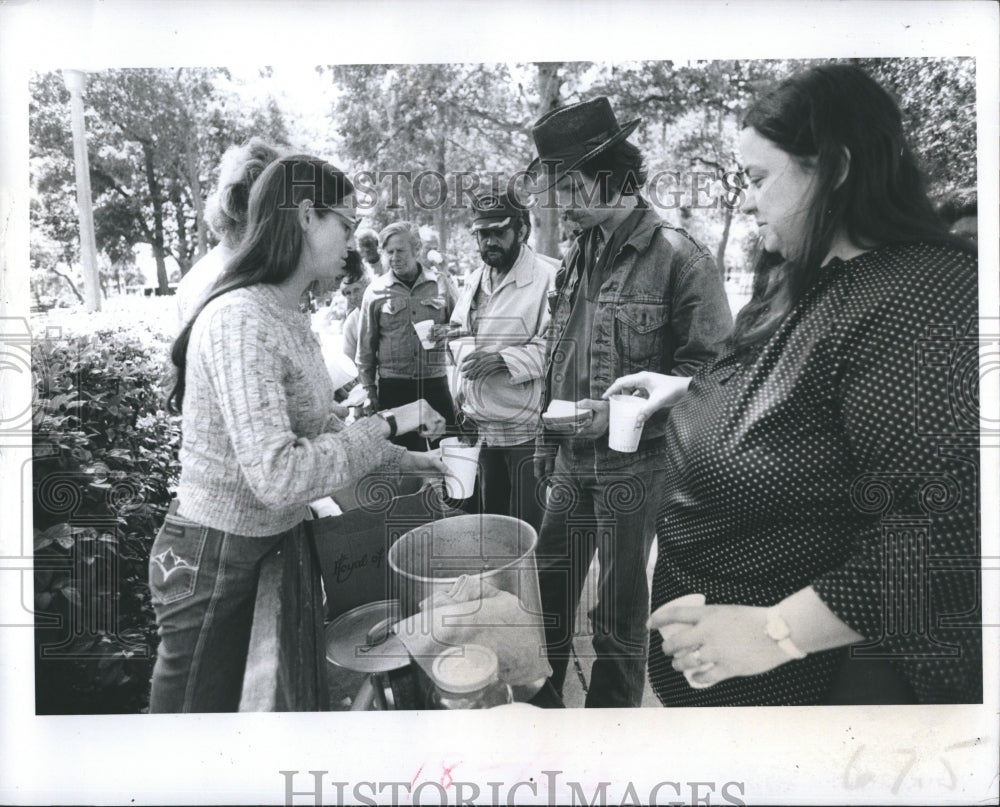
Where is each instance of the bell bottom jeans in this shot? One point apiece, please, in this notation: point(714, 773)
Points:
point(204, 587)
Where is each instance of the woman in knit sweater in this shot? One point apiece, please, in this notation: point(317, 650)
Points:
point(259, 437)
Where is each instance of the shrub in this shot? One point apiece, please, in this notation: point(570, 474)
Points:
point(105, 459)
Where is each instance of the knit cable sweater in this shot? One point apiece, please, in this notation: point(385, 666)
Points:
point(259, 438)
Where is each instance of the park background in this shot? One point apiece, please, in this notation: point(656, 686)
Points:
point(781, 756)
point(105, 449)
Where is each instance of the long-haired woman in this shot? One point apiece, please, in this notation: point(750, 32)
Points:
point(259, 440)
point(822, 473)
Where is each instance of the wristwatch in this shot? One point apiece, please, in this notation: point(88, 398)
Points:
point(777, 629)
point(389, 418)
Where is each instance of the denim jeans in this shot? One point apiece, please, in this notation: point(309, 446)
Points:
point(612, 512)
point(204, 587)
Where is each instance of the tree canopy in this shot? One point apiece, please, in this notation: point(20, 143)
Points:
point(155, 137)
point(420, 137)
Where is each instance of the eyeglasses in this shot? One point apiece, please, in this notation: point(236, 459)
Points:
point(350, 222)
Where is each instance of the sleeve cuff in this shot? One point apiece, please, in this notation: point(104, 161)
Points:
point(371, 432)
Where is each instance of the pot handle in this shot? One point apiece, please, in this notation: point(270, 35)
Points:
point(379, 632)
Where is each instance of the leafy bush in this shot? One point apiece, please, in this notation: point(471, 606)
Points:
point(105, 458)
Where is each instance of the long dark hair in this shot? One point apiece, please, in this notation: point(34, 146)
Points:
point(820, 116)
point(272, 244)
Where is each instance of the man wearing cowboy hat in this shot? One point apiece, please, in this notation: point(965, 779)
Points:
point(632, 294)
point(504, 305)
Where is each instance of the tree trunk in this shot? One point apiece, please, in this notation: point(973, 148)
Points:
point(547, 237)
point(157, 200)
point(76, 83)
point(406, 199)
point(183, 250)
point(189, 165)
point(199, 203)
point(72, 285)
point(548, 83)
point(720, 254)
point(441, 212)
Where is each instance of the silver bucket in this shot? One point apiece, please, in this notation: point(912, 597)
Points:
point(499, 550)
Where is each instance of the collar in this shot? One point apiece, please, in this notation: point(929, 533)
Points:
point(522, 272)
point(644, 230)
point(426, 273)
point(641, 234)
point(524, 267)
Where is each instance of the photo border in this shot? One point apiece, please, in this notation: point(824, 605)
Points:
point(786, 755)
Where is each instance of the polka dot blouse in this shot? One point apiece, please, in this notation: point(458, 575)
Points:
point(842, 455)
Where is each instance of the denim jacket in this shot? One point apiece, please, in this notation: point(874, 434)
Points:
point(662, 308)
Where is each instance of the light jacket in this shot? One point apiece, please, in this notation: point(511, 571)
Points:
point(387, 342)
point(662, 308)
point(506, 404)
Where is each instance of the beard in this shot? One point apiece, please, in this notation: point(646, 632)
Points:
point(500, 258)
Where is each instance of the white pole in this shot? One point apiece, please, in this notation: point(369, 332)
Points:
point(76, 82)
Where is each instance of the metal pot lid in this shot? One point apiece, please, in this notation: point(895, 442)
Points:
point(360, 639)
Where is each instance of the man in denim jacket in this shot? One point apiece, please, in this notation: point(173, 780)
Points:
point(632, 294)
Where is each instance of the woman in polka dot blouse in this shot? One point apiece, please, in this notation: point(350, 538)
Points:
point(822, 490)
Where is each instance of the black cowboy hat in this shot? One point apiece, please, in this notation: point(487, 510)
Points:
point(567, 137)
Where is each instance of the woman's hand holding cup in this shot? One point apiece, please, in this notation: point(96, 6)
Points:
point(661, 391)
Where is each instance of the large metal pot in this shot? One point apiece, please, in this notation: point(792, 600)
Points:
point(497, 549)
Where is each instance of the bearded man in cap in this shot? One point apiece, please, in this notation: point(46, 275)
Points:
point(504, 306)
point(632, 294)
